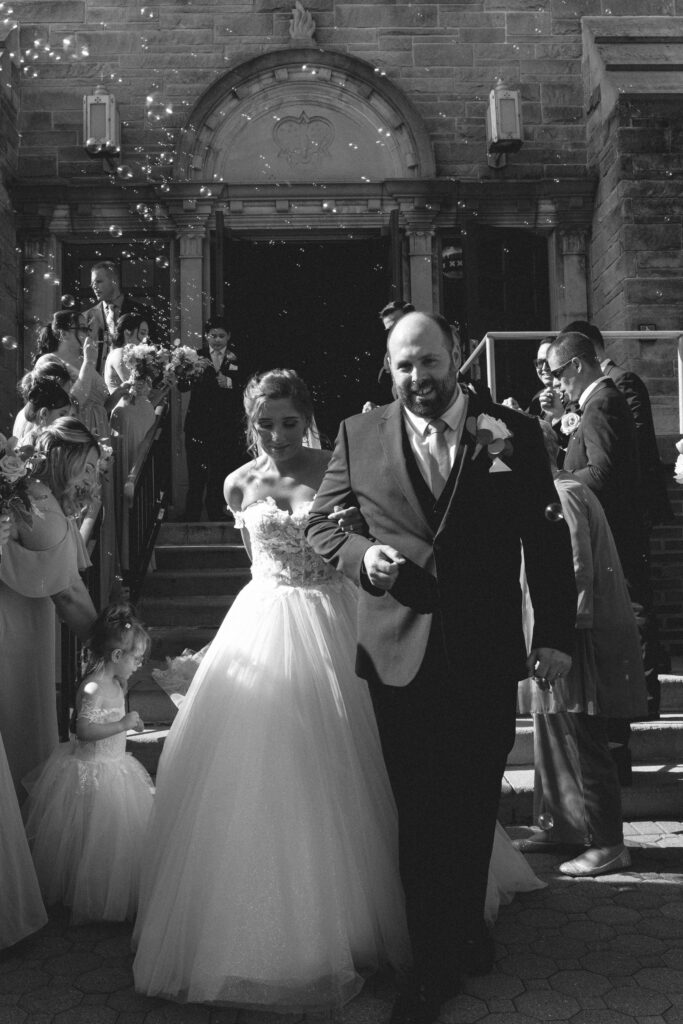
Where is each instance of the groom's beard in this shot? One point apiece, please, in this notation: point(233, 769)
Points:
point(430, 398)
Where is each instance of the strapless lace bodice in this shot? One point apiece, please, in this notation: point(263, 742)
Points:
point(280, 552)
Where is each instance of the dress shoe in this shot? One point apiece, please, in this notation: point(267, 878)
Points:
point(415, 1005)
point(477, 956)
point(597, 861)
point(538, 841)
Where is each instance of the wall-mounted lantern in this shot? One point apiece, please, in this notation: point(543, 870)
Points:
point(503, 124)
point(101, 126)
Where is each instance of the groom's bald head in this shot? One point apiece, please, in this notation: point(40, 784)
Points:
point(423, 356)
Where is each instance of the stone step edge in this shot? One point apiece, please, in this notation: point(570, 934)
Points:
point(227, 546)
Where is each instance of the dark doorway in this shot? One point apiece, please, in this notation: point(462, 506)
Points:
point(312, 306)
point(507, 290)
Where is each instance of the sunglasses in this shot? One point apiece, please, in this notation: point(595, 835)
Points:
point(560, 369)
point(541, 364)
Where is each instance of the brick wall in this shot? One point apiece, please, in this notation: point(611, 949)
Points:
point(9, 277)
point(444, 56)
point(667, 574)
point(636, 254)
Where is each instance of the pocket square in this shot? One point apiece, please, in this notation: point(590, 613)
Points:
point(498, 466)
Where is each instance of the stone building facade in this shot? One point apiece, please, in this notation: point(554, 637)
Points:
point(295, 167)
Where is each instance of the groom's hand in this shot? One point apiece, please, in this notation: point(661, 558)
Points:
point(382, 563)
point(547, 666)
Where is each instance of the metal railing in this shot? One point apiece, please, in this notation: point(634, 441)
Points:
point(144, 503)
point(487, 344)
point(69, 644)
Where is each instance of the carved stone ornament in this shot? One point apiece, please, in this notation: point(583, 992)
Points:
point(303, 140)
point(302, 25)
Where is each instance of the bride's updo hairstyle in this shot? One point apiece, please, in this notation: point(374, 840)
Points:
point(275, 384)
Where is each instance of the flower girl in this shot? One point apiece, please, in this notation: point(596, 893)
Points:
point(89, 803)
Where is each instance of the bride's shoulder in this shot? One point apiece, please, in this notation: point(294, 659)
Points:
point(242, 482)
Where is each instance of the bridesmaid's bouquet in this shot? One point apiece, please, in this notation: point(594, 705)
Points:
point(18, 463)
point(147, 363)
point(185, 366)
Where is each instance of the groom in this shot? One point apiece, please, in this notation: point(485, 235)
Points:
point(448, 485)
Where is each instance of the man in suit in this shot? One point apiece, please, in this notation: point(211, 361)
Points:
point(603, 453)
point(448, 484)
point(214, 438)
point(654, 503)
point(112, 303)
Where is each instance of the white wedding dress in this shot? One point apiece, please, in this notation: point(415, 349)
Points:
point(271, 878)
point(271, 875)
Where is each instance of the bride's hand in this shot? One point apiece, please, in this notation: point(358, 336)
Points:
point(350, 520)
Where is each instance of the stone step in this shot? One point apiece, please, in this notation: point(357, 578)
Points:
point(189, 582)
point(174, 557)
point(197, 533)
point(651, 742)
point(672, 693)
point(194, 610)
point(656, 794)
point(169, 641)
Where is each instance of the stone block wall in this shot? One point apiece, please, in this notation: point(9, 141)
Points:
point(9, 277)
point(446, 57)
point(636, 252)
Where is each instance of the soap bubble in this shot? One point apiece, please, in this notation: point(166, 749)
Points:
point(553, 512)
point(115, 231)
point(68, 301)
point(9, 342)
point(546, 822)
point(142, 209)
point(124, 172)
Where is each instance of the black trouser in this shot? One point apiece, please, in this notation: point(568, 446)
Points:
point(208, 464)
point(639, 583)
point(576, 780)
point(445, 739)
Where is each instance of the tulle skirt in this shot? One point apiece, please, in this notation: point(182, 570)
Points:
point(271, 876)
point(21, 906)
point(86, 821)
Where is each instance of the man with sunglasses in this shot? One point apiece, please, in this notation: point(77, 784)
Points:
point(603, 454)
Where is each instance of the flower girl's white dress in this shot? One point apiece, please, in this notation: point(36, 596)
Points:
point(86, 818)
point(271, 876)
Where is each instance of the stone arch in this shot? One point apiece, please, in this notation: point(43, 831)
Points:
point(303, 115)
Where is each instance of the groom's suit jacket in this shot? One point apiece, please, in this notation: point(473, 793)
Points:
point(462, 553)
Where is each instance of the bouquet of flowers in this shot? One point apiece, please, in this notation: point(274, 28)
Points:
point(185, 365)
point(17, 465)
point(146, 362)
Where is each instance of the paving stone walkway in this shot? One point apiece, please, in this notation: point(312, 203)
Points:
point(602, 951)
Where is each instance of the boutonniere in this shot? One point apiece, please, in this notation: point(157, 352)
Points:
point(570, 422)
point(491, 433)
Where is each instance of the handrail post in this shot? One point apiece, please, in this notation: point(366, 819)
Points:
point(680, 383)
point(490, 366)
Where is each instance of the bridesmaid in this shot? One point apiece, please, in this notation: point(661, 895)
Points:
point(39, 573)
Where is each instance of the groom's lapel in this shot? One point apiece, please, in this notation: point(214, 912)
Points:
point(391, 434)
point(467, 468)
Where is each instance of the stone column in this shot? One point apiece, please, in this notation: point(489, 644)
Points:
point(569, 281)
point(41, 296)
point(192, 238)
point(421, 260)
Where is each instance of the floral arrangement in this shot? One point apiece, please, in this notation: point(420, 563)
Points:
point(491, 433)
point(146, 362)
point(185, 365)
point(18, 463)
point(569, 423)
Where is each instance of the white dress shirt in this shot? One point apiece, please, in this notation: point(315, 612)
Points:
point(419, 430)
point(585, 395)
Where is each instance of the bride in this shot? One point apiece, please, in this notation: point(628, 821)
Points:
point(272, 878)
